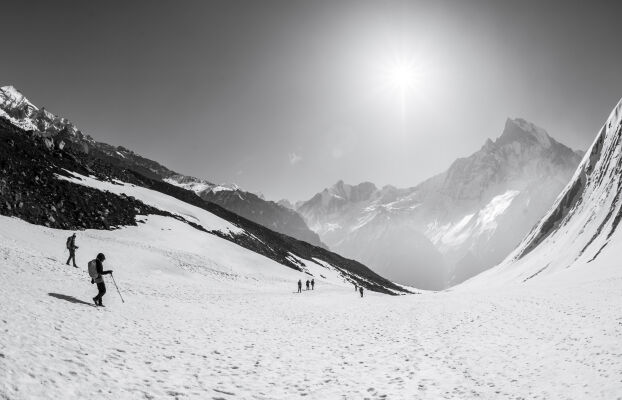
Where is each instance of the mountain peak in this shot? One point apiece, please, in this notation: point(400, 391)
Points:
point(339, 184)
point(519, 129)
point(11, 89)
point(10, 95)
point(346, 190)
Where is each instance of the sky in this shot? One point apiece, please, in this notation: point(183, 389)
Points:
point(287, 97)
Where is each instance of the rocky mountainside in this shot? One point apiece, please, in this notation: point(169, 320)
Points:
point(58, 132)
point(581, 227)
point(251, 206)
point(453, 225)
point(39, 183)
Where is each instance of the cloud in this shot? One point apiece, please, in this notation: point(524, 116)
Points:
point(294, 158)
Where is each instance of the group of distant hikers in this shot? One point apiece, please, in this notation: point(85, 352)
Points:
point(312, 284)
point(95, 268)
point(308, 283)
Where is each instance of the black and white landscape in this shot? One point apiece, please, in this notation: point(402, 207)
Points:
point(295, 201)
point(454, 225)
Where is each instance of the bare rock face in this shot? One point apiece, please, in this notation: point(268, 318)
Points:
point(30, 190)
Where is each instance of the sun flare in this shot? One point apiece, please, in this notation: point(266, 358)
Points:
point(402, 79)
point(401, 75)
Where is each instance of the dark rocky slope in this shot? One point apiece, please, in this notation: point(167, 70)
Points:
point(61, 133)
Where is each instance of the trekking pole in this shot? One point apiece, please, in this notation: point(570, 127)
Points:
point(118, 291)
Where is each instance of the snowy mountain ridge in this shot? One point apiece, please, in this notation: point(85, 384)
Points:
point(199, 185)
point(24, 114)
point(461, 221)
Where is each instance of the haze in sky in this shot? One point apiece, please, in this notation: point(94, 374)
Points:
point(287, 97)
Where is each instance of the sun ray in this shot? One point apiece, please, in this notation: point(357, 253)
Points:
point(401, 76)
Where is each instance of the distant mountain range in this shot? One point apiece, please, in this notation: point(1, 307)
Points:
point(455, 224)
point(60, 132)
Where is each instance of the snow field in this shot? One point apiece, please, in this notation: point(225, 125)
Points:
point(203, 321)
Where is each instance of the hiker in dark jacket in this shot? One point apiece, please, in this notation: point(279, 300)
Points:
point(361, 291)
point(101, 286)
point(299, 286)
point(71, 246)
point(307, 284)
point(312, 284)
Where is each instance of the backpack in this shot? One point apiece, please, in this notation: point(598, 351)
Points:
point(93, 269)
point(69, 242)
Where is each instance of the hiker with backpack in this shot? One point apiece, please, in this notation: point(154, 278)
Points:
point(312, 283)
point(96, 270)
point(361, 290)
point(71, 246)
point(307, 284)
point(299, 286)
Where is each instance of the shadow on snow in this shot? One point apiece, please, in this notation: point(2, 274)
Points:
point(70, 299)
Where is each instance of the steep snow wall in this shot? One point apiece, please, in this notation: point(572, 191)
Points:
point(583, 221)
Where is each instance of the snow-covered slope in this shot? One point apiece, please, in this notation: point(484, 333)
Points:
point(251, 206)
point(206, 319)
point(158, 200)
point(199, 185)
point(580, 230)
point(453, 225)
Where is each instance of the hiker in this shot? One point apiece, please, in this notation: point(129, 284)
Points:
point(71, 246)
point(307, 284)
point(356, 288)
point(96, 270)
point(299, 286)
point(312, 283)
point(361, 291)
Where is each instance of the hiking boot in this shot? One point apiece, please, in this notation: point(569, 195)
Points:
point(95, 301)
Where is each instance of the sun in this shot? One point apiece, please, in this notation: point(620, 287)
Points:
point(401, 78)
point(400, 75)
